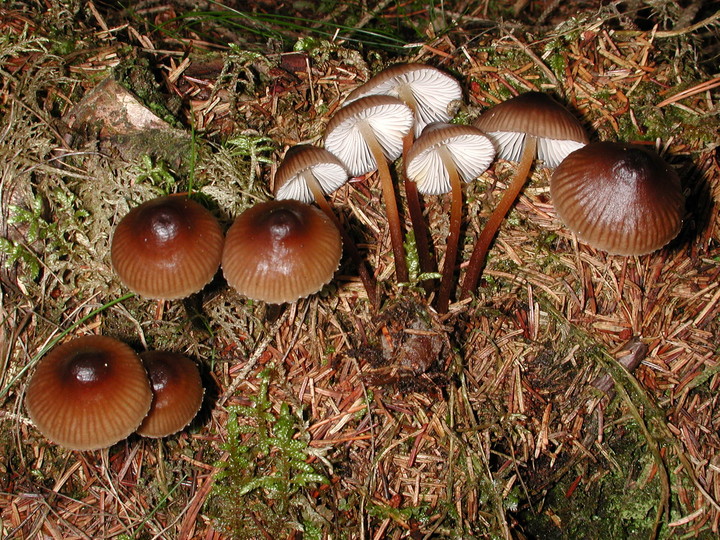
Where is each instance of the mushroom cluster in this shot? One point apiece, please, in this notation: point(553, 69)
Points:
point(94, 391)
point(618, 197)
point(279, 251)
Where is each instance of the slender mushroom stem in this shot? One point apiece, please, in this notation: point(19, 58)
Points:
point(482, 245)
point(420, 229)
point(453, 239)
point(393, 216)
point(365, 276)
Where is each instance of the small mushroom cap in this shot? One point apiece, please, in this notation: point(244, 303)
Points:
point(537, 114)
point(167, 248)
point(328, 170)
point(388, 118)
point(281, 251)
point(620, 198)
point(472, 153)
point(177, 393)
point(88, 393)
point(432, 93)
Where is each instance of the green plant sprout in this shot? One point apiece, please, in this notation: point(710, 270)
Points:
point(15, 252)
point(253, 147)
point(413, 262)
point(56, 235)
point(259, 485)
point(157, 174)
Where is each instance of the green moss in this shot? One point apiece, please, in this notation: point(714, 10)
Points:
point(620, 504)
point(259, 488)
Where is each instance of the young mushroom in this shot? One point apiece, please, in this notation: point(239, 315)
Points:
point(281, 251)
point(88, 393)
point(167, 248)
point(364, 135)
point(618, 197)
point(177, 393)
point(439, 159)
point(521, 127)
point(306, 174)
point(432, 95)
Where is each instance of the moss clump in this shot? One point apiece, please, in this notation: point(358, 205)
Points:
point(258, 491)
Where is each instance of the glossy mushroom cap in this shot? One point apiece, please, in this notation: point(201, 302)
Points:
point(281, 251)
point(536, 114)
point(471, 152)
point(88, 393)
point(388, 118)
point(290, 181)
point(430, 92)
point(177, 393)
point(620, 198)
point(167, 248)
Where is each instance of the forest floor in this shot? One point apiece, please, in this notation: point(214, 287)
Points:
point(322, 418)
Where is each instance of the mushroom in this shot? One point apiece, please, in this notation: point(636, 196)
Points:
point(307, 173)
point(281, 251)
point(364, 135)
point(428, 91)
point(521, 127)
point(442, 156)
point(88, 393)
point(618, 197)
point(432, 95)
point(167, 248)
point(177, 393)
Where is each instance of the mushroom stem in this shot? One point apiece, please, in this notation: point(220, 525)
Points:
point(420, 228)
point(393, 216)
point(482, 245)
point(453, 239)
point(365, 276)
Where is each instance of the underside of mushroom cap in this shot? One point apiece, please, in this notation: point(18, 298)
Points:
point(388, 118)
point(471, 151)
point(536, 114)
point(432, 93)
point(327, 169)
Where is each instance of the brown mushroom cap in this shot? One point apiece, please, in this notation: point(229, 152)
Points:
point(281, 251)
point(536, 114)
point(618, 197)
point(177, 393)
point(88, 393)
point(167, 248)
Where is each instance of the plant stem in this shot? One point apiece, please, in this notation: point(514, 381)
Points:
point(453, 239)
point(393, 216)
point(482, 245)
point(365, 276)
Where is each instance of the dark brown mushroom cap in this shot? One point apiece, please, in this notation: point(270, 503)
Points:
point(88, 393)
point(620, 198)
point(303, 159)
point(471, 152)
point(430, 92)
point(167, 248)
point(388, 118)
point(281, 251)
point(177, 393)
point(536, 114)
